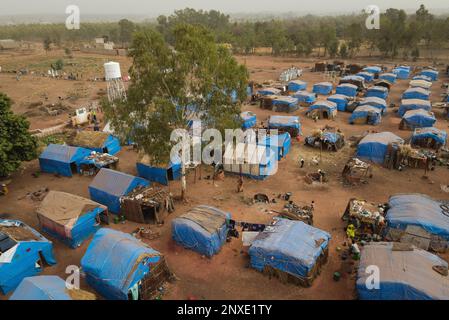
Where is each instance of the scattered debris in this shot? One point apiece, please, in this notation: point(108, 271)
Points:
point(356, 171)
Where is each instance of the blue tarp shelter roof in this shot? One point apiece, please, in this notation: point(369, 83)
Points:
point(158, 173)
point(372, 114)
point(296, 85)
point(353, 77)
point(268, 91)
point(41, 288)
point(57, 158)
point(249, 119)
point(323, 88)
point(432, 74)
point(368, 76)
point(402, 72)
point(420, 84)
point(284, 121)
point(438, 135)
point(422, 77)
point(305, 96)
point(375, 102)
point(327, 105)
point(340, 100)
point(377, 91)
point(390, 77)
point(373, 69)
point(416, 93)
point(413, 104)
point(347, 89)
point(419, 118)
point(374, 146)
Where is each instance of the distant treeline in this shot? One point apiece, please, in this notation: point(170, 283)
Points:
point(400, 35)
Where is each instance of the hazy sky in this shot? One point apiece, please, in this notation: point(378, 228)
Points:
point(156, 7)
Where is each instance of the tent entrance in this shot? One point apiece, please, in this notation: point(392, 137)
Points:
point(170, 174)
point(325, 114)
point(158, 275)
point(73, 167)
point(41, 262)
point(150, 214)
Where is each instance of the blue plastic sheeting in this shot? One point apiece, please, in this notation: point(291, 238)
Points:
point(347, 89)
point(373, 69)
point(305, 96)
point(437, 135)
point(368, 76)
point(282, 148)
point(41, 288)
point(422, 77)
point(159, 174)
point(419, 118)
point(413, 104)
point(284, 122)
point(329, 106)
point(115, 261)
point(353, 77)
point(290, 102)
point(289, 246)
point(109, 185)
point(340, 100)
point(21, 260)
point(110, 145)
point(379, 103)
point(432, 74)
point(249, 119)
point(371, 114)
point(195, 233)
point(402, 72)
point(404, 275)
point(329, 137)
point(374, 146)
point(269, 91)
point(323, 88)
point(390, 77)
point(297, 85)
point(58, 158)
point(377, 91)
point(416, 93)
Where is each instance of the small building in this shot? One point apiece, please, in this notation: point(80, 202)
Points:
point(368, 76)
point(402, 72)
point(269, 92)
point(291, 250)
point(376, 102)
point(279, 103)
point(390, 77)
point(70, 218)
point(416, 93)
point(203, 229)
point(432, 138)
point(48, 288)
point(331, 140)
point(347, 89)
point(62, 159)
point(120, 267)
point(23, 253)
point(281, 144)
point(109, 185)
point(413, 104)
point(249, 119)
point(377, 91)
point(340, 100)
point(374, 146)
point(97, 141)
point(355, 80)
point(288, 124)
point(432, 74)
point(406, 273)
point(323, 110)
point(419, 118)
point(366, 114)
point(323, 88)
point(158, 173)
point(297, 85)
point(305, 97)
point(375, 70)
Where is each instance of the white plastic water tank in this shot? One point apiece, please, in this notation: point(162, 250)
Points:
point(112, 70)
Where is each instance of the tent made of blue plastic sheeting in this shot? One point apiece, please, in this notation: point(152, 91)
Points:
point(62, 159)
point(305, 96)
point(327, 137)
point(432, 74)
point(97, 141)
point(23, 251)
point(417, 210)
point(340, 100)
point(290, 124)
point(115, 262)
point(249, 119)
point(377, 91)
point(280, 143)
point(374, 146)
point(402, 72)
point(323, 88)
point(373, 69)
point(296, 85)
point(416, 93)
point(419, 118)
point(366, 114)
point(437, 135)
point(329, 106)
point(369, 77)
point(69, 218)
point(202, 229)
point(404, 275)
point(347, 89)
point(422, 77)
point(269, 91)
point(413, 104)
point(109, 185)
point(390, 77)
point(285, 103)
point(379, 103)
point(289, 246)
point(420, 84)
point(353, 77)
point(41, 288)
point(158, 173)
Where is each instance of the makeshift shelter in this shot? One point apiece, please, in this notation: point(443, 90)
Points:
point(62, 159)
point(249, 119)
point(296, 85)
point(291, 250)
point(376, 102)
point(416, 93)
point(340, 100)
point(109, 185)
point(382, 83)
point(421, 77)
point(355, 80)
point(279, 143)
point(413, 104)
point(356, 171)
point(48, 288)
point(431, 137)
point(390, 77)
point(419, 118)
point(305, 97)
point(323, 88)
point(120, 267)
point(432, 74)
point(288, 124)
point(406, 273)
point(203, 229)
point(374, 146)
point(91, 164)
point(97, 141)
point(323, 110)
point(369, 77)
point(421, 84)
point(402, 72)
point(284, 103)
point(23, 253)
point(377, 91)
point(331, 140)
point(347, 89)
point(268, 91)
point(158, 173)
point(373, 69)
point(70, 218)
point(366, 114)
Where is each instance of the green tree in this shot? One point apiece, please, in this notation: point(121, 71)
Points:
point(343, 52)
point(59, 64)
point(16, 143)
point(172, 85)
point(47, 44)
point(126, 30)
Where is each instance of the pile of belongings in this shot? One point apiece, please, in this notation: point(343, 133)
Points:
point(293, 211)
point(356, 171)
point(415, 158)
point(95, 161)
point(327, 138)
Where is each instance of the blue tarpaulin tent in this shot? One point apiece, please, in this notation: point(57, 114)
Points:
point(323, 88)
point(249, 119)
point(61, 159)
point(377, 91)
point(289, 124)
point(269, 91)
point(305, 97)
point(70, 218)
point(416, 93)
point(97, 141)
point(390, 77)
point(115, 263)
point(404, 274)
point(432, 74)
point(368, 76)
point(366, 114)
point(373, 69)
point(109, 185)
point(24, 252)
point(419, 119)
point(284, 103)
point(374, 146)
point(296, 85)
point(347, 89)
point(379, 103)
point(282, 145)
point(326, 109)
point(202, 229)
point(439, 137)
point(161, 174)
point(413, 104)
point(289, 246)
point(340, 100)
point(422, 77)
point(403, 72)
